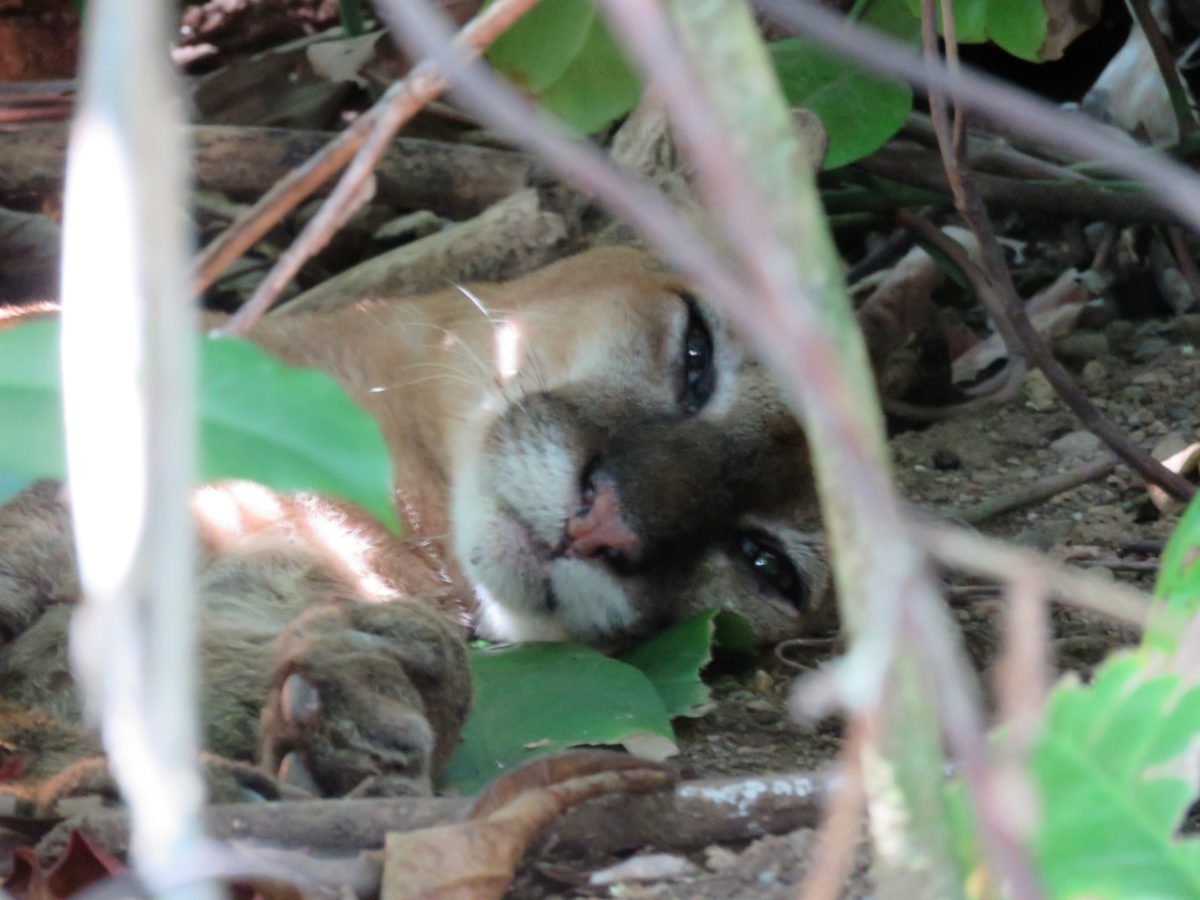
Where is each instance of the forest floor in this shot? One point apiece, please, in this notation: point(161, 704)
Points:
point(1145, 375)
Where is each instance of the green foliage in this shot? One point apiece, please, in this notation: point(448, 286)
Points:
point(1178, 585)
point(1018, 26)
point(541, 698)
point(1115, 779)
point(860, 111)
point(562, 54)
point(31, 444)
point(351, 15)
point(535, 699)
point(261, 420)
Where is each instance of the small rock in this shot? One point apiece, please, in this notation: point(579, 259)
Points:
point(1179, 413)
point(1081, 346)
point(1187, 327)
point(1034, 539)
point(945, 459)
point(1093, 374)
point(1039, 396)
point(1120, 335)
point(1168, 445)
point(1098, 313)
point(1150, 348)
point(763, 682)
point(1077, 443)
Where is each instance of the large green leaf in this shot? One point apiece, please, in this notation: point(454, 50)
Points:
point(1178, 586)
point(541, 698)
point(31, 434)
point(860, 111)
point(1115, 764)
point(672, 660)
point(1018, 26)
point(536, 51)
point(562, 53)
point(260, 420)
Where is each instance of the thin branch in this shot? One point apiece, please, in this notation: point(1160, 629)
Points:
point(1038, 491)
point(1036, 120)
point(1004, 305)
point(970, 552)
point(128, 373)
point(398, 104)
point(1165, 60)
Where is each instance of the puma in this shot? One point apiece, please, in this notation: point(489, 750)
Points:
point(586, 453)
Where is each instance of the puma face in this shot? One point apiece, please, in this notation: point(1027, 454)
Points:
point(632, 465)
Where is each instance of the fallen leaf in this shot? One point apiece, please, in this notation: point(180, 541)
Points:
point(475, 859)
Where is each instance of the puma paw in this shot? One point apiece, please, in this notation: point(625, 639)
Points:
point(366, 699)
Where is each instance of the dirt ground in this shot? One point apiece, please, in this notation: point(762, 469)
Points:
point(1146, 376)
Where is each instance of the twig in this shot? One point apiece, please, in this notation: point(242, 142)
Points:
point(694, 814)
point(357, 184)
point(128, 372)
point(970, 552)
point(914, 166)
point(1037, 120)
point(843, 820)
point(1165, 61)
point(1003, 304)
point(1029, 494)
point(398, 104)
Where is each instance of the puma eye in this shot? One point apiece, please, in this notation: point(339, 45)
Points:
point(699, 373)
point(773, 568)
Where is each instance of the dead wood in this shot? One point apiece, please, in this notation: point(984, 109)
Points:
point(453, 179)
point(514, 236)
point(694, 814)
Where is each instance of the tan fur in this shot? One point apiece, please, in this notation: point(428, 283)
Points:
point(334, 649)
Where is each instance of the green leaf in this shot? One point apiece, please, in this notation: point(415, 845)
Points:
point(31, 443)
point(672, 660)
point(288, 428)
point(536, 51)
point(1110, 764)
point(860, 111)
point(536, 699)
point(1178, 586)
point(892, 17)
point(260, 419)
point(1018, 26)
point(562, 53)
point(351, 15)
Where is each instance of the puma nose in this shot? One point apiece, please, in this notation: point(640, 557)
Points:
point(598, 526)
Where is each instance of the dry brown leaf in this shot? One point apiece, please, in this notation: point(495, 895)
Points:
point(475, 859)
point(1185, 462)
point(1065, 21)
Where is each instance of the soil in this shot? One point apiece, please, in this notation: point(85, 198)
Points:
point(1154, 396)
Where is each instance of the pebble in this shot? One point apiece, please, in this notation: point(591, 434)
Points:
point(1179, 413)
point(763, 682)
point(1150, 348)
point(1076, 443)
point(1098, 313)
point(1187, 327)
point(1039, 396)
point(1120, 335)
point(1093, 374)
point(1081, 346)
point(1168, 445)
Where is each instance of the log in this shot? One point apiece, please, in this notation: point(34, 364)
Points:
point(455, 180)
